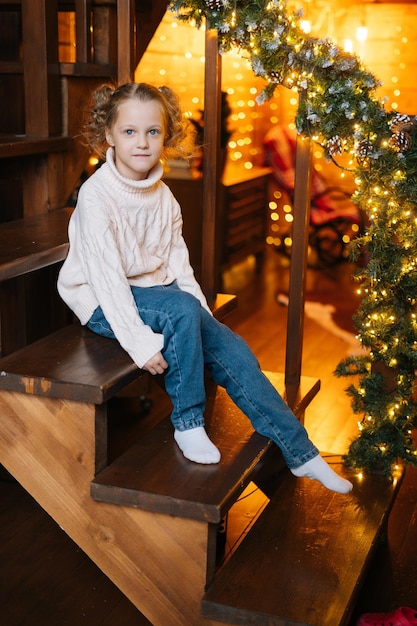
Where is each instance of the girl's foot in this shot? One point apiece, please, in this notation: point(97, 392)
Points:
point(196, 446)
point(318, 469)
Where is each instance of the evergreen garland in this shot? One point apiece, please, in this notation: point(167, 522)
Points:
point(339, 110)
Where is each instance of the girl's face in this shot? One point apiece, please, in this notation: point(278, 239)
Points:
point(137, 136)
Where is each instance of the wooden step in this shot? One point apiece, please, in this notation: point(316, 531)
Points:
point(74, 363)
point(154, 475)
point(28, 245)
point(33, 242)
point(304, 559)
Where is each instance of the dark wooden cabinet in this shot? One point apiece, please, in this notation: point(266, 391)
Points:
point(244, 219)
point(242, 214)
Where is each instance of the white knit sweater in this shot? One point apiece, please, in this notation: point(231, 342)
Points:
point(124, 232)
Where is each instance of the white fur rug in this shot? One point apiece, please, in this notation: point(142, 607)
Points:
point(323, 314)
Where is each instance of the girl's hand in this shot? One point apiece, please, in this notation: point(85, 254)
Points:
point(156, 365)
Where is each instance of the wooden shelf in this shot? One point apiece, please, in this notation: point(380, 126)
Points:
point(244, 214)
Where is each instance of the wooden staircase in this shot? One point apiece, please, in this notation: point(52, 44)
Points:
point(150, 519)
point(147, 517)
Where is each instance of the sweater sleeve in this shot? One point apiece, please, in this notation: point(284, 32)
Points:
point(179, 261)
point(104, 272)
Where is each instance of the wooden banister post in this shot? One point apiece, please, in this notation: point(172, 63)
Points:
point(83, 31)
point(298, 267)
point(211, 167)
point(42, 96)
point(126, 41)
point(40, 60)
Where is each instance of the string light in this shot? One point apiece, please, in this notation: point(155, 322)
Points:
point(361, 33)
point(305, 26)
point(348, 45)
point(341, 109)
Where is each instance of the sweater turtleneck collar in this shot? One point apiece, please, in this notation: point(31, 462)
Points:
point(128, 184)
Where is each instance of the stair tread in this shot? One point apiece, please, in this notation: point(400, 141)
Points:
point(154, 475)
point(72, 363)
point(304, 558)
point(76, 364)
point(33, 242)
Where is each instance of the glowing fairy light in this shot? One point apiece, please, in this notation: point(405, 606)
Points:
point(383, 167)
point(362, 33)
point(348, 45)
point(305, 26)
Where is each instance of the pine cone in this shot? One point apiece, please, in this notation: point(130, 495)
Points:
point(401, 142)
point(275, 76)
point(401, 123)
point(364, 149)
point(334, 146)
point(215, 5)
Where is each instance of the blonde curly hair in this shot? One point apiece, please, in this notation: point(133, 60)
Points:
point(105, 106)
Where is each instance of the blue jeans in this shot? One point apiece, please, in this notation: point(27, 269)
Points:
point(194, 340)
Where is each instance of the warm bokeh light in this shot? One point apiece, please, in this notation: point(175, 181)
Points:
point(176, 56)
point(361, 33)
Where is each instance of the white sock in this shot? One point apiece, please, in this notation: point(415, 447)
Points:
point(196, 446)
point(318, 469)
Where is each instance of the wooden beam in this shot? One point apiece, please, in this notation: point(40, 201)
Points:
point(126, 41)
point(40, 67)
point(298, 267)
point(82, 31)
point(211, 166)
point(149, 14)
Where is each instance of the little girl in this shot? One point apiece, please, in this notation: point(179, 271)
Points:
point(128, 276)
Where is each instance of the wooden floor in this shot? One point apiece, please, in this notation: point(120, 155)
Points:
point(45, 580)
